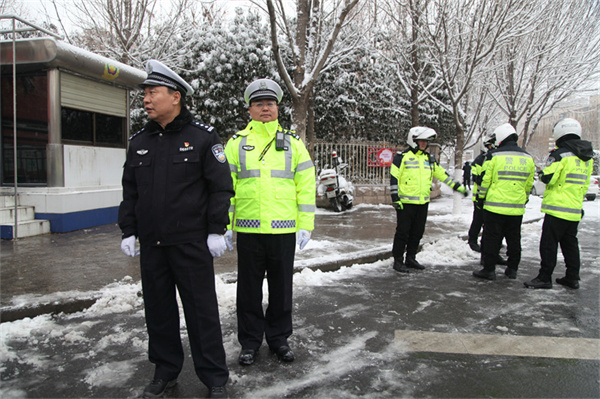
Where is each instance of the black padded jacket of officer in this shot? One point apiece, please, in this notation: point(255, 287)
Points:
point(176, 183)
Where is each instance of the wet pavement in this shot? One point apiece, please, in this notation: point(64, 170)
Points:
point(365, 331)
point(81, 262)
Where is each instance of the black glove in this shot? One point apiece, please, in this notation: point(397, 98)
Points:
point(479, 203)
point(397, 205)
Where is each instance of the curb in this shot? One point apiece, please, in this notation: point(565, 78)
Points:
point(73, 305)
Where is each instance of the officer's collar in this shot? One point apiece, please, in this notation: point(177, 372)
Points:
point(264, 127)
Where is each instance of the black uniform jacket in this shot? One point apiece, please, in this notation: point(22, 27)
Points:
point(176, 183)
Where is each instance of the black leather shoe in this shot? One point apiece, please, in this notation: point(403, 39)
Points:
point(247, 356)
point(218, 392)
point(568, 283)
point(501, 261)
point(413, 264)
point(399, 267)
point(510, 273)
point(157, 387)
point(484, 274)
point(537, 283)
point(475, 247)
point(284, 353)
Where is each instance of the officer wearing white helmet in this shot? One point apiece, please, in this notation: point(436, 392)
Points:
point(506, 182)
point(274, 181)
point(411, 177)
point(176, 190)
point(567, 177)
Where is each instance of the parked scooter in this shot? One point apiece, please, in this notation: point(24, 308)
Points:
point(333, 186)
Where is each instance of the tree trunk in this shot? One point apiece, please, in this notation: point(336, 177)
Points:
point(310, 126)
point(299, 116)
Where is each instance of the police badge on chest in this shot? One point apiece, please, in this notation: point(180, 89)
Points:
point(186, 147)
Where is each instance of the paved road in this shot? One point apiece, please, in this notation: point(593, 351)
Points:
point(365, 331)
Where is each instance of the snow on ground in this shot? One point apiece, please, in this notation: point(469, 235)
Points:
point(124, 297)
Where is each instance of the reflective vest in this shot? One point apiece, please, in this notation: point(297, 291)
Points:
point(568, 178)
point(508, 173)
point(476, 169)
point(412, 174)
point(274, 187)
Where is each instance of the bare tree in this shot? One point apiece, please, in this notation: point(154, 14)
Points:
point(313, 39)
point(403, 46)
point(132, 31)
point(536, 72)
point(462, 36)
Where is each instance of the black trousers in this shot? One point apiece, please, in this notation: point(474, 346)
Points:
point(258, 254)
point(410, 226)
point(557, 231)
point(189, 268)
point(495, 228)
point(476, 224)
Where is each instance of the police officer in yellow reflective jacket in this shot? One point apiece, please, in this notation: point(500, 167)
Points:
point(508, 173)
point(476, 171)
point(411, 177)
point(274, 181)
point(567, 177)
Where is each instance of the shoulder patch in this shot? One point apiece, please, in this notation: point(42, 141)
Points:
point(202, 126)
point(137, 133)
point(292, 133)
point(551, 159)
point(219, 153)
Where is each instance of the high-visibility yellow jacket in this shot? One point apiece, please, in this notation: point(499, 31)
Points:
point(476, 169)
point(274, 187)
point(412, 174)
point(567, 177)
point(508, 173)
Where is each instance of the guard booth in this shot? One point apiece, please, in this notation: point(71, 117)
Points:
point(72, 124)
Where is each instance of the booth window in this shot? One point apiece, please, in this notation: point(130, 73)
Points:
point(92, 128)
point(32, 129)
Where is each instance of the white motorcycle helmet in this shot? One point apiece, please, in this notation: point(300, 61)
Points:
point(488, 140)
point(503, 132)
point(419, 133)
point(263, 89)
point(566, 126)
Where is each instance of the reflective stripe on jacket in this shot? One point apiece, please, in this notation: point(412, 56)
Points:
point(569, 181)
point(476, 170)
point(412, 174)
point(274, 189)
point(508, 173)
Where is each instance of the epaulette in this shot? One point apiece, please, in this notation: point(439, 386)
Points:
point(292, 133)
point(135, 134)
point(202, 126)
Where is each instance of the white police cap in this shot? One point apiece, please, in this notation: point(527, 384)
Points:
point(262, 89)
point(161, 75)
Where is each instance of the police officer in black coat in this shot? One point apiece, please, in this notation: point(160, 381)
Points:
point(176, 191)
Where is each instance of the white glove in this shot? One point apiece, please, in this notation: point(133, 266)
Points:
point(229, 239)
point(216, 245)
point(128, 246)
point(303, 238)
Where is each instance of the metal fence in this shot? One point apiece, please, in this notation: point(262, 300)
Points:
point(362, 159)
